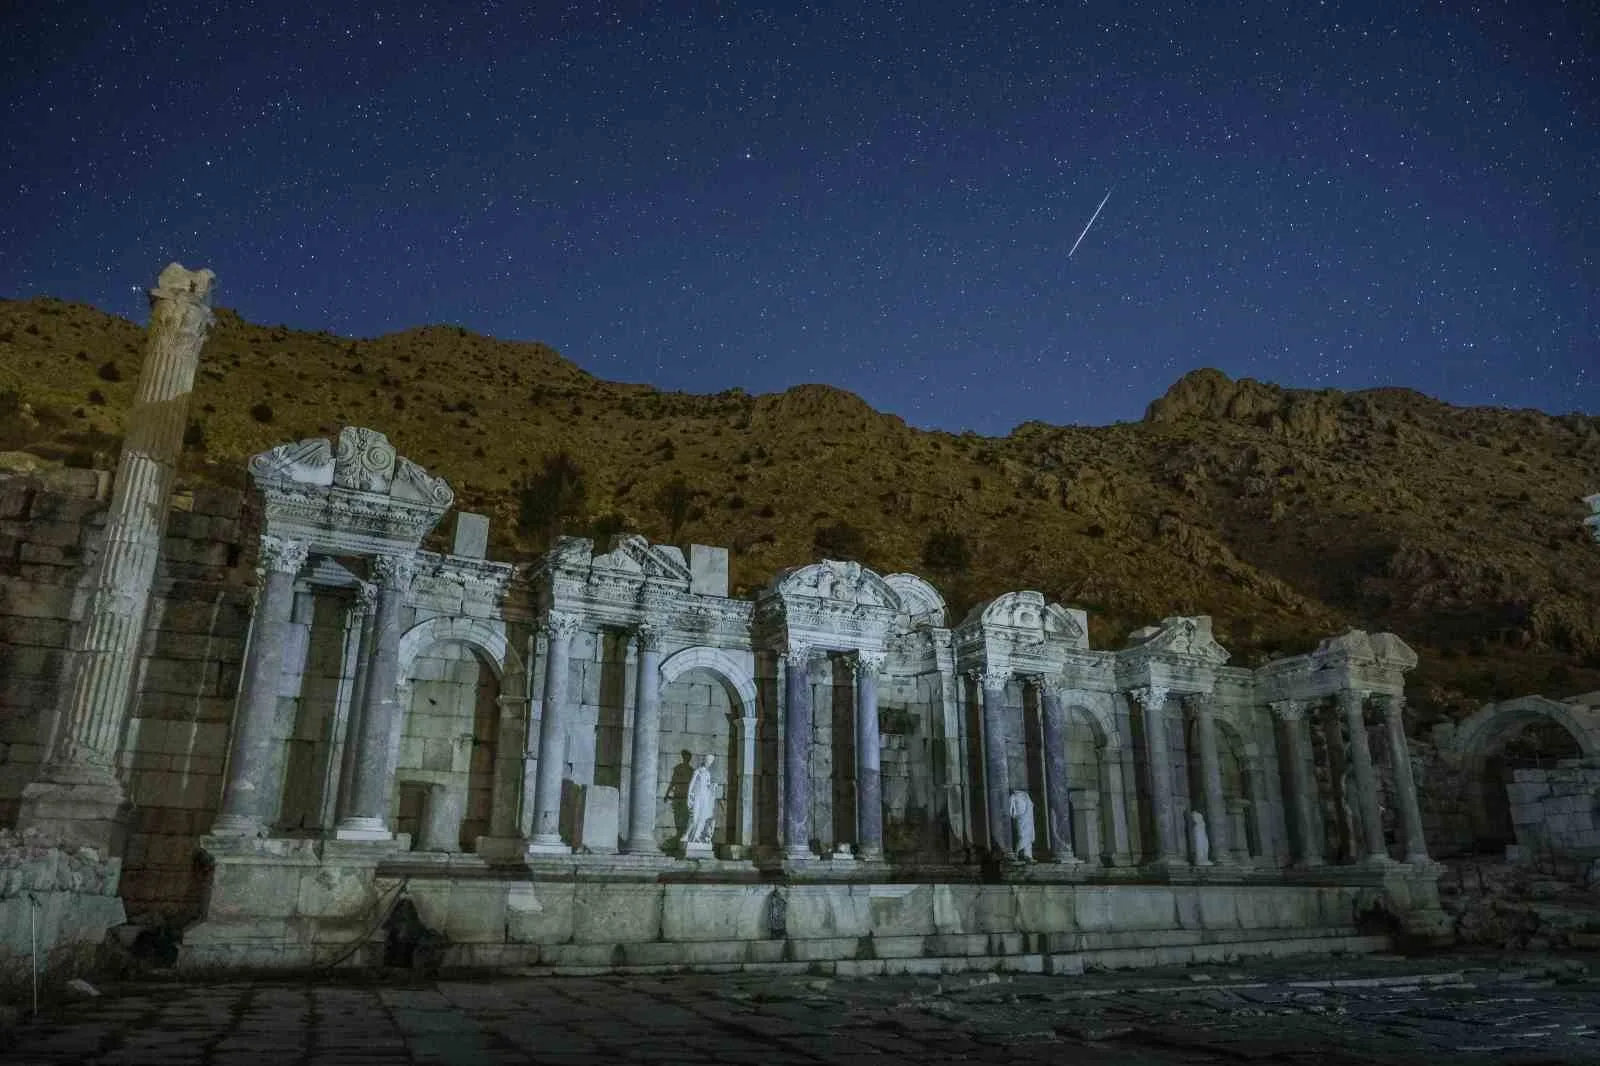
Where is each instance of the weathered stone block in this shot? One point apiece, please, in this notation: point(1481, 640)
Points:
point(610, 913)
point(541, 912)
point(715, 912)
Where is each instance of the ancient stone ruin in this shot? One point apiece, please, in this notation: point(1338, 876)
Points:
point(599, 758)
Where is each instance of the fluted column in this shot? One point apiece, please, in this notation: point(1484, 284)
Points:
point(1302, 789)
point(996, 770)
point(368, 815)
point(78, 795)
point(1218, 829)
point(1405, 784)
point(1353, 704)
point(797, 751)
point(642, 780)
point(250, 797)
point(869, 778)
point(1153, 698)
point(546, 837)
point(1057, 779)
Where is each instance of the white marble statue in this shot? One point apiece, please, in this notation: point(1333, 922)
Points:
point(1199, 838)
point(1021, 810)
point(702, 802)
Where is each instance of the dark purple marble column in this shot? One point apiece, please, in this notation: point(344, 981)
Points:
point(1153, 699)
point(797, 752)
point(1056, 778)
point(997, 774)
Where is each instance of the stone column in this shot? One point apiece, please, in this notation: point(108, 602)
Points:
point(368, 815)
point(1112, 757)
point(996, 771)
point(646, 765)
point(1302, 788)
point(744, 727)
point(1086, 823)
point(78, 796)
point(1169, 843)
point(347, 713)
point(797, 752)
point(546, 837)
point(1405, 784)
point(869, 777)
point(1353, 704)
point(441, 819)
point(1205, 729)
point(250, 797)
point(1057, 782)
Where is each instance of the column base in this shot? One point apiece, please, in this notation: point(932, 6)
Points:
point(363, 829)
point(647, 846)
point(548, 844)
point(699, 850)
point(78, 814)
point(797, 853)
point(1067, 860)
point(237, 825)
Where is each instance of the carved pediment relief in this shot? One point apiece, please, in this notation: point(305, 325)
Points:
point(307, 462)
point(1188, 638)
point(838, 582)
point(921, 606)
point(633, 554)
point(364, 461)
point(1358, 646)
point(1027, 618)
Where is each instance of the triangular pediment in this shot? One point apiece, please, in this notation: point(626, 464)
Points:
point(1182, 637)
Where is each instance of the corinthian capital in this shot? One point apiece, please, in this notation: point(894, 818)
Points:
point(1289, 710)
point(647, 636)
point(366, 601)
point(281, 555)
point(1150, 697)
point(1053, 685)
point(395, 572)
point(991, 677)
point(561, 623)
point(869, 662)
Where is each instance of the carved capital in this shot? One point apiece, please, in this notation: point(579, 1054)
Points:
point(281, 555)
point(1200, 703)
point(992, 677)
point(366, 601)
point(1053, 685)
point(1150, 697)
point(394, 572)
point(869, 662)
point(647, 636)
point(798, 656)
point(561, 623)
point(1290, 710)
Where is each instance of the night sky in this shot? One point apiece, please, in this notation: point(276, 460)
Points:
point(877, 196)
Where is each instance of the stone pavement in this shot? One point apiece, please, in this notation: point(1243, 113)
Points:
point(1370, 1010)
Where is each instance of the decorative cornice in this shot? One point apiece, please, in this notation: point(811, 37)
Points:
point(281, 555)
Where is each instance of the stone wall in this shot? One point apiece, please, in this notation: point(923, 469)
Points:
point(1554, 810)
point(52, 897)
point(51, 529)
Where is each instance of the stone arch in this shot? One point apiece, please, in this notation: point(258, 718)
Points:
point(734, 675)
point(921, 606)
point(485, 635)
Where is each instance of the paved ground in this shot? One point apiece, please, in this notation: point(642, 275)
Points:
point(1382, 1009)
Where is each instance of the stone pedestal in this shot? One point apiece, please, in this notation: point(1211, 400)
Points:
point(78, 798)
point(441, 819)
point(602, 810)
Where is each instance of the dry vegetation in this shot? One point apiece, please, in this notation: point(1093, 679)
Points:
point(1286, 515)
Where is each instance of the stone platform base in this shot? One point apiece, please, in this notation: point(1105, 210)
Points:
point(315, 905)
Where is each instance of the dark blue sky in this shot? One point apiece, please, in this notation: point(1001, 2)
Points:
point(877, 196)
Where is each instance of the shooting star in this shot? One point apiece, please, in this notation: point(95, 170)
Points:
point(1092, 217)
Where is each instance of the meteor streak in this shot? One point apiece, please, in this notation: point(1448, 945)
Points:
point(1092, 217)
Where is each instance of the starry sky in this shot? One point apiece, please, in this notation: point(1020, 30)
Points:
point(879, 196)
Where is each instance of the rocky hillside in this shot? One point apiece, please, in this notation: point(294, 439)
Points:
point(1285, 514)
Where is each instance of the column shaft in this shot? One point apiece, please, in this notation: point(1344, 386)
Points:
point(553, 737)
point(250, 796)
point(1217, 826)
point(1168, 841)
point(997, 771)
point(797, 753)
point(642, 778)
point(1302, 787)
point(1366, 779)
point(1057, 779)
point(368, 817)
point(1111, 766)
point(869, 781)
point(1405, 784)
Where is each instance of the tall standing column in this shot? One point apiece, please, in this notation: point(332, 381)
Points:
point(1153, 699)
point(1057, 783)
point(1218, 828)
point(358, 627)
point(546, 837)
point(78, 796)
point(1302, 788)
point(642, 780)
point(797, 752)
point(996, 769)
point(869, 776)
point(1405, 783)
point(1353, 703)
point(368, 814)
point(250, 797)
point(1112, 757)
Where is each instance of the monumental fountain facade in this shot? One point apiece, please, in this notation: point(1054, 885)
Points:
point(601, 759)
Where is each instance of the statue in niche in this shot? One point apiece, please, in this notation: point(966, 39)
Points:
point(702, 796)
point(1020, 808)
point(1199, 839)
